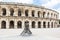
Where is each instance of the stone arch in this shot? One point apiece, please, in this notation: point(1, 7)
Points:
point(19, 12)
point(26, 12)
point(4, 11)
point(39, 24)
point(38, 13)
point(44, 24)
point(51, 15)
point(33, 24)
point(26, 24)
point(11, 11)
point(11, 25)
point(3, 24)
point(56, 16)
point(33, 13)
point(19, 24)
point(48, 14)
point(43, 14)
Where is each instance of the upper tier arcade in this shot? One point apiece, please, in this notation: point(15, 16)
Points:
point(28, 10)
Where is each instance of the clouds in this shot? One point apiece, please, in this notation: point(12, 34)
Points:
point(20, 1)
point(51, 3)
point(0, 0)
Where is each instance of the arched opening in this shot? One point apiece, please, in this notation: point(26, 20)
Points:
point(27, 24)
point(3, 25)
point(38, 13)
point(19, 24)
point(39, 24)
point(33, 24)
point(48, 24)
point(51, 24)
point(59, 21)
point(43, 14)
point(11, 24)
point(19, 12)
point(51, 15)
point(11, 11)
point(26, 12)
point(56, 16)
point(44, 24)
point(33, 13)
point(4, 11)
point(48, 15)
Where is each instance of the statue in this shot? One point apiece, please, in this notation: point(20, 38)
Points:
point(26, 31)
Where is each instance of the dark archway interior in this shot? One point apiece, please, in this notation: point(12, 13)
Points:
point(11, 24)
point(27, 24)
point(11, 11)
point(26, 12)
point(44, 24)
point(33, 24)
point(3, 24)
point(51, 24)
point(19, 12)
point(48, 24)
point(33, 13)
point(19, 24)
point(4, 11)
point(38, 13)
point(39, 24)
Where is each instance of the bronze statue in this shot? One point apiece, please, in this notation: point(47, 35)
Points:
point(26, 30)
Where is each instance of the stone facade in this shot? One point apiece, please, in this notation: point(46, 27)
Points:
point(14, 15)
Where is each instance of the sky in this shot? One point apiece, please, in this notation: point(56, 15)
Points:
point(51, 4)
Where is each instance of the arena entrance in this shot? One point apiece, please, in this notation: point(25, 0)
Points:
point(3, 25)
point(26, 23)
point(11, 24)
point(19, 24)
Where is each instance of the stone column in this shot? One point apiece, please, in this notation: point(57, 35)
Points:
point(7, 24)
point(46, 15)
point(36, 25)
point(1, 12)
point(15, 12)
point(15, 24)
point(49, 15)
point(41, 24)
point(35, 14)
point(50, 25)
point(41, 14)
point(23, 24)
point(7, 12)
point(30, 14)
point(23, 12)
point(54, 24)
point(30, 24)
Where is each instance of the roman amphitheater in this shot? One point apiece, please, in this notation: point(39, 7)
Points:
point(16, 15)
